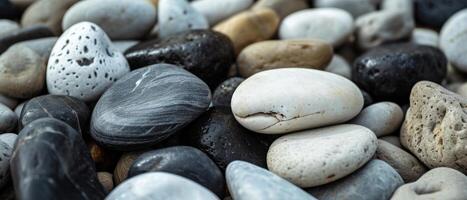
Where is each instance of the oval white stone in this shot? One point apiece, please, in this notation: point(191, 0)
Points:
point(382, 118)
point(453, 40)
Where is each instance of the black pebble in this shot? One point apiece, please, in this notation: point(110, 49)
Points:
point(435, 13)
point(223, 94)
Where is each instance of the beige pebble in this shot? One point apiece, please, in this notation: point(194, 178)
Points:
point(106, 180)
point(123, 165)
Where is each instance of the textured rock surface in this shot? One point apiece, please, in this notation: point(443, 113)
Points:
point(453, 36)
point(223, 94)
point(382, 118)
point(52, 18)
point(216, 11)
point(176, 16)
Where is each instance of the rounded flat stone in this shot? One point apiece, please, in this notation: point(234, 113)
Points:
point(123, 166)
point(56, 9)
point(382, 118)
point(340, 66)
point(425, 36)
point(453, 36)
point(177, 16)
point(7, 26)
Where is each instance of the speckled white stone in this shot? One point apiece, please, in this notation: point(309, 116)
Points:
point(160, 186)
point(453, 40)
point(339, 66)
point(382, 118)
point(425, 36)
point(216, 11)
point(176, 16)
point(291, 99)
point(329, 24)
point(247, 181)
point(319, 156)
point(83, 63)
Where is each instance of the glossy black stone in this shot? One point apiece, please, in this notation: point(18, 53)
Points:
point(51, 161)
point(389, 72)
point(68, 109)
point(205, 53)
point(185, 161)
point(223, 94)
point(148, 105)
point(23, 34)
point(435, 13)
point(8, 11)
point(222, 138)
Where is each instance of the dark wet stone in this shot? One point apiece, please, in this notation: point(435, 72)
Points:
point(51, 161)
point(148, 105)
point(435, 13)
point(223, 93)
point(184, 161)
point(367, 99)
point(205, 53)
point(389, 72)
point(8, 11)
point(68, 109)
point(28, 33)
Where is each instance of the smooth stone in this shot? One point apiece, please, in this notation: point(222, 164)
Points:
point(339, 66)
point(217, 134)
point(83, 63)
point(367, 99)
point(376, 28)
point(375, 180)
point(392, 139)
point(7, 142)
point(205, 53)
point(282, 7)
point(314, 24)
point(453, 36)
point(8, 101)
point(382, 118)
point(435, 13)
point(124, 45)
point(177, 16)
point(51, 161)
point(184, 161)
point(319, 156)
point(19, 109)
point(409, 168)
point(354, 7)
point(8, 10)
point(22, 3)
point(52, 18)
point(42, 46)
point(406, 6)
point(389, 72)
point(274, 54)
point(434, 127)
point(247, 181)
point(439, 183)
point(65, 108)
point(270, 102)
point(123, 166)
point(425, 36)
point(7, 26)
point(462, 90)
point(216, 11)
point(8, 119)
point(9, 139)
point(105, 178)
point(147, 106)
point(23, 34)
point(160, 186)
point(248, 27)
point(223, 93)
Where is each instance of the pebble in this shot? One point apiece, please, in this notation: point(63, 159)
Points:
point(148, 105)
point(314, 23)
point(184, 161)
point(159, 186)
point(375, 180)
point(123, 166)
point(425, 36)
point(216, 11)
point(23, 34)
point(434, 126)
point(453, 36)
point(282, 7)
point(217, 134)
point(389, 72)
point(177, 16)
point(65, 108)
point(248, 27)
point(319, 156)
point(439, 183)
point(406, 6)
point(382, 118)
point(56, 9)
point(462, 90)
point(205, 53)
point(8, 119)
point(137, 17)
point(339, 66)
point(223, 93)
point(7, 141)
point(376, 28)
point(367, 99)
point(124, 45)
point(434, 13)
point(392, 139)
point(83, 63)
point(247, 181)
point(274, 54)
point(19, 108)
point(8, 101)
point(105, 178)
point(269, 102)
point(354, 7)
point(42, 46)
point(51, 161)
point(7, 26)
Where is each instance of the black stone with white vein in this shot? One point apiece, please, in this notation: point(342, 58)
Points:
point(148, 105)
point(51, 161)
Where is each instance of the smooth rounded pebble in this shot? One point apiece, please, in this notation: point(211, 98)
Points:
point(216, 11)
point(122, 19)
point(382, 118)
point(8, 119)
point(247, 181)
point(375, 180)
point(8, 138)
point(7, 142)
point(270, 101)
point(282, 7)
point(319, 156)
point(315, 23)
point(105, 178)
point(392, 139)
point(453, 38)
point(23, 34)
point(83, 63)
point(124, 45)
point(123, 166)
point(176, 16)
point(47, 12)
point(435, 13)
point(160, 186)
point(354, 7)
point(7, 26)
point(425, 37)
point(339, 66)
